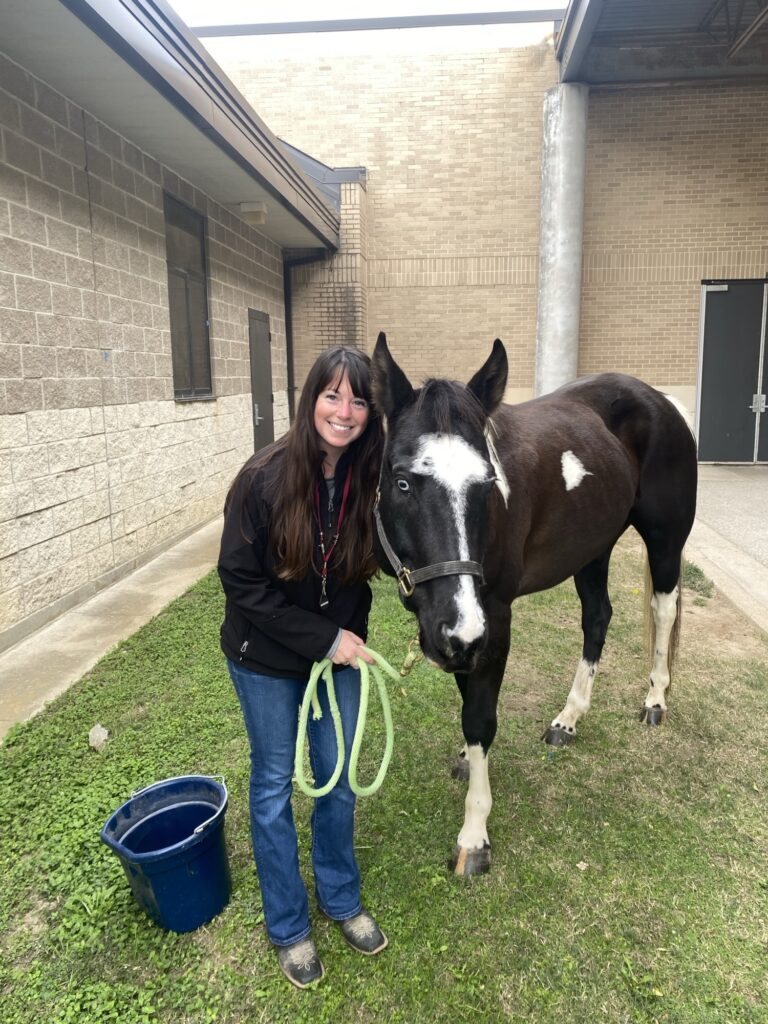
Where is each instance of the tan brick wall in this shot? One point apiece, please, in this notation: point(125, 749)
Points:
point(330, 297)
point(452, 147)
point(677, 191)
point(99, 466)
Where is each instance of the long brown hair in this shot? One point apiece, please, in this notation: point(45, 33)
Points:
point(292, 524)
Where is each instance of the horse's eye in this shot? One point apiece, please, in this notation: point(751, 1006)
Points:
point(403, 484)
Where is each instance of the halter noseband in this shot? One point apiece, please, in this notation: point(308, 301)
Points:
point(408, 578)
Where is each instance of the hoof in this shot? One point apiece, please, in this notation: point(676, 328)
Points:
point(466, 862)
point(557, 737)
point(653, 716)
point(460, 769)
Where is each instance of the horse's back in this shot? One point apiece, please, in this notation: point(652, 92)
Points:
point(595, 454)
point(646, 421)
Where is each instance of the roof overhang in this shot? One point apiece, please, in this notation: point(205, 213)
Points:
point(135, 66)
point(655, 42)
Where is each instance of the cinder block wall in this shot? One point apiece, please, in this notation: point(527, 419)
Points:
point(99, 467)
point(452, 147)
point(677, 191)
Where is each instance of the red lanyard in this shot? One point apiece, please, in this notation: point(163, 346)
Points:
point(326, 555)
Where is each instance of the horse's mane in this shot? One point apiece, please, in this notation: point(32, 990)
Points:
point(444, 403)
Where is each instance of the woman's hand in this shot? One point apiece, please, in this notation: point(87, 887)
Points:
point(350, 649)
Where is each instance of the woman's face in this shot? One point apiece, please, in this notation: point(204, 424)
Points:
point(340, 417)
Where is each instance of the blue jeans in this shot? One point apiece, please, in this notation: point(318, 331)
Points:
point(271, 711)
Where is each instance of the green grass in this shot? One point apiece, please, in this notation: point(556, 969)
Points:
point(695, 580)
point(630, 873)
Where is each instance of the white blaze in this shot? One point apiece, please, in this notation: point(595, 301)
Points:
point(454, 464)
point(573, 470)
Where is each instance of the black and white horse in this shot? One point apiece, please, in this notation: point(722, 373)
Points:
point(482, 502)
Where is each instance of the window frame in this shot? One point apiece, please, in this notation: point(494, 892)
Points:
point(195, 392)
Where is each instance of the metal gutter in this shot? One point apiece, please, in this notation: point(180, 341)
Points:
point(377, 24)
point(150, 38)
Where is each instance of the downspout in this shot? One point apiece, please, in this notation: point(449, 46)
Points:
point(288, 265)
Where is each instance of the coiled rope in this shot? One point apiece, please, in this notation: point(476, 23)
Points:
point(325, 669)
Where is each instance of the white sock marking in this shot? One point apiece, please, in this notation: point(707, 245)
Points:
point(454, 464)
point(579, 698)
point(664, 607)
point(478, 802)
point(573, 470)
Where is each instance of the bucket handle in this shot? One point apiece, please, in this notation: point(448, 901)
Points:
point(205, 824)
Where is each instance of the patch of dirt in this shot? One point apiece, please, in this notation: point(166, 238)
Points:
point(716, 622)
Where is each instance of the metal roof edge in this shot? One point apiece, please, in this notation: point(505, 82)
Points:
point(575, 35)
point(145, 34)
point(402, 21)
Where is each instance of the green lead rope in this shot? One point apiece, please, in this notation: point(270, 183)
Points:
point(325, 669)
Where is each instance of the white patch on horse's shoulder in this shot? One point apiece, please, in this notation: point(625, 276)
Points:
point(573, 470)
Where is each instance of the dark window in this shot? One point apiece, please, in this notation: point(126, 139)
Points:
point(187, 300)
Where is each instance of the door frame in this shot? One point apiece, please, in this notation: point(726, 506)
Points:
point(262, 318)
point(711, 284)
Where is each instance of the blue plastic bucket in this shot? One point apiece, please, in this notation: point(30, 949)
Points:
point(170, 840)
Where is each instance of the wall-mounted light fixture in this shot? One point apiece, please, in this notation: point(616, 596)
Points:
point(253, 213)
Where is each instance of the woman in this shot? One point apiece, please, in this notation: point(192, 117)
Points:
point(296, 555)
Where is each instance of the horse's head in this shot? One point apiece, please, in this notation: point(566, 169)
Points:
point(438, 472)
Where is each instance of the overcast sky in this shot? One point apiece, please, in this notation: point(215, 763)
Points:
point(229, 12)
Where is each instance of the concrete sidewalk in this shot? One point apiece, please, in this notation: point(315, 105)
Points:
point(729, 540)
point(729, 543)
point(46, 663)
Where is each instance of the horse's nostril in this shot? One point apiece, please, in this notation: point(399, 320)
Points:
point(451, 643)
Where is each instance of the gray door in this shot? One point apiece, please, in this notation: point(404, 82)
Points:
point(261, 379)
point(733, 422)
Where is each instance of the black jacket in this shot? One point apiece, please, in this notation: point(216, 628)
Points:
point(272, 626)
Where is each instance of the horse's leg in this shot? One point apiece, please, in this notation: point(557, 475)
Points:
point(480, 691)
point(592, 588)
point(664, 560)
point(460, 768)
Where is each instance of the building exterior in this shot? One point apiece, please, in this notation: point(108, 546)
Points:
point(146, 219)
point(671, 133)
point(169, 268)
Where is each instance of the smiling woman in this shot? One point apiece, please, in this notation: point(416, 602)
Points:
point(296, 557)
point(340, 418)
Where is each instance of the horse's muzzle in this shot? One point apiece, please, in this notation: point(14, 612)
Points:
point(449, 652)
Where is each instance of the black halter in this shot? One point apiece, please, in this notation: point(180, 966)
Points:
point(408, 578)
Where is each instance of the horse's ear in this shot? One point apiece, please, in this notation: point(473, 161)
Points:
point(391, 388)
point(490, 382)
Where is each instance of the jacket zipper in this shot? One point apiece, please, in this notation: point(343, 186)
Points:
point(243, 649)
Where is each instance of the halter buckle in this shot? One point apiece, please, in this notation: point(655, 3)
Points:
point(407, 586)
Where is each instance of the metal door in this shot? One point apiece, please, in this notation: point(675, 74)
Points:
point(732, 418)
point(261, 379)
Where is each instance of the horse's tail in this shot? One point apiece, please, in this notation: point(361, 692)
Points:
point(649, 627)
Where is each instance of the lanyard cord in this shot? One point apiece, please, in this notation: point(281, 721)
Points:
point(326, 555)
